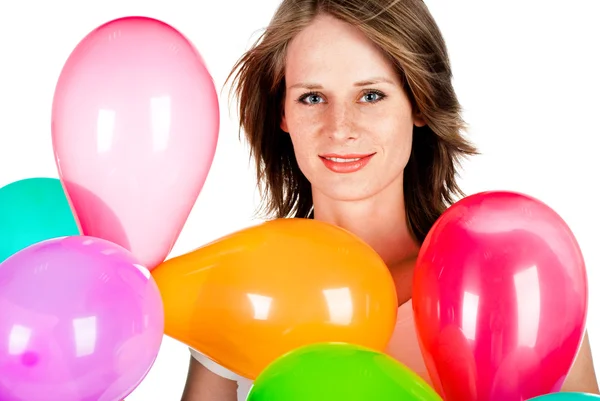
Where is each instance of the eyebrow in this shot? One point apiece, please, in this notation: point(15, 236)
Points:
point(373, 81)
point(366, 82)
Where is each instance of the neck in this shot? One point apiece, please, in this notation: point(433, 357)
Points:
point(381, 222)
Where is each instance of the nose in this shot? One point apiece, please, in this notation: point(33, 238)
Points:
point(339, 124)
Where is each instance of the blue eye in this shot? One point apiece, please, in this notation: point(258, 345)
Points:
point(310, 98)
point(372, 96)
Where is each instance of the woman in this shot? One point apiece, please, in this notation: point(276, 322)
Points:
point(352, 119)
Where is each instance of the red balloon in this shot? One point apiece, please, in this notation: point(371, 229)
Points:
point(500, 299)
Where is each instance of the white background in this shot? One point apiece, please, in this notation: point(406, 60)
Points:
point(526, 72)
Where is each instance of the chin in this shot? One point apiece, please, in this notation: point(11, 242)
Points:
point(347, 193)
point(360, 188)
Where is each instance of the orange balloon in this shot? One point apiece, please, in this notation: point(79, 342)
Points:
point(249, 297)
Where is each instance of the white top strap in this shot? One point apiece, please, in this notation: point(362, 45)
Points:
point(244, 384)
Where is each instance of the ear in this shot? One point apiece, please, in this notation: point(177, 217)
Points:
point(283, 124)
point(418, 120)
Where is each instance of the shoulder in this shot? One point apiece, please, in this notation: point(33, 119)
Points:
point(582, 377)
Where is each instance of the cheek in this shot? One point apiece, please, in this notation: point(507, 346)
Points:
point(303, 124)
point(395, 133)
point(302, 131)
point(304, 149)
point(395, 138)
point(401, 154)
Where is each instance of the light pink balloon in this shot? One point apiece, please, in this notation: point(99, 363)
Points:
point(135, 121)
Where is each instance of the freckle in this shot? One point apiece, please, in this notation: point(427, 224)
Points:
point(30, 358)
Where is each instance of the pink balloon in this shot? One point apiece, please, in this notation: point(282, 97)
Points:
point(80, 320)
point(500, 297)
point(135, 121)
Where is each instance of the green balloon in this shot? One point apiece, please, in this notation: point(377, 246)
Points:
point(339, 371)
point(567, 396)
point(33, 210)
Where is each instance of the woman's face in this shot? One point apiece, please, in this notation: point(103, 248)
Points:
point(349, 119)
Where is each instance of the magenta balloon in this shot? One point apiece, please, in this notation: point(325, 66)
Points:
point(500, 296)
point(135, 122)
point(80, 320)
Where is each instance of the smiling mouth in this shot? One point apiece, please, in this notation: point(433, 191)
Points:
point(345, 163)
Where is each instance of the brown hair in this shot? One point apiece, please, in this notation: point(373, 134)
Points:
point(406, 32)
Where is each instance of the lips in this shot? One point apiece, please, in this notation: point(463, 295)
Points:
point(348, 163)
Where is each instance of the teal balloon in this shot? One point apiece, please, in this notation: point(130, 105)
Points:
point(33, 210)
point(566, 397)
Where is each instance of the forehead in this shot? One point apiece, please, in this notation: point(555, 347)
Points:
point(331, 50)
